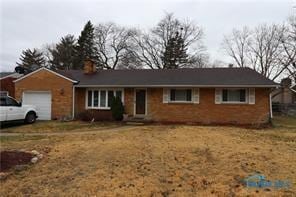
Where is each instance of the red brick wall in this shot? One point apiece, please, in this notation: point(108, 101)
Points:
point(7, 84)
point(60, 88)
point(80, 96)
point(79, 100)
point(206, 112)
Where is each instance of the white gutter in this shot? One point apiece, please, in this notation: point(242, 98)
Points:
point(198, 86)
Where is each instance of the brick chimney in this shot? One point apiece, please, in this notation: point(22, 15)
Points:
point(89, 66)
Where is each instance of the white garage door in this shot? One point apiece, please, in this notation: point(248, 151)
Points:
point(42, 101)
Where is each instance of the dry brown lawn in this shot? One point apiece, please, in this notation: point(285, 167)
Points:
point(57, 126)
point(155, 160)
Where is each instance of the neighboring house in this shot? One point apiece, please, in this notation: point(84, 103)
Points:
point(201, 95)
point(284, 98)
point(6, 83)
point(286, 94)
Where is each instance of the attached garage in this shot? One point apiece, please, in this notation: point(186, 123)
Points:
point(42, 101)
point(49, 91)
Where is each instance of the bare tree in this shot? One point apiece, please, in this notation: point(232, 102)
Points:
point(216, 63)
point(46, 51)
point(288, 58)
point(148, 52)
point(266, 50)
point(129, 61)
point(260, 49)
point(151, 45)
point(113, 44)
point(237, 45)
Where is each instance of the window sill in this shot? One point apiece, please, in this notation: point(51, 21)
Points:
point(180, 102)
point(235, 103)
point(100, 108)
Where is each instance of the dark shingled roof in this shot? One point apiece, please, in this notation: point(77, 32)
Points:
point(174, 77)
point(4, 74)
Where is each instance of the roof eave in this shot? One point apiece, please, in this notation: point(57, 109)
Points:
point(197, 86)
point(43, 68)
point(11, 75)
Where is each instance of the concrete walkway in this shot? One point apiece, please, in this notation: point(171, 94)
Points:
point(78, 132)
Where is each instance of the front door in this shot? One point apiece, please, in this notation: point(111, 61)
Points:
point(140, 102)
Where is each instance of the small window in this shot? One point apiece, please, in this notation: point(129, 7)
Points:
point(89, 100)
point(96, 98)
point(181, 95)
point(234, 95)
point(11, 102)
point(103, 98)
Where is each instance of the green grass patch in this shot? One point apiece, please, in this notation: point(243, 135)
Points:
point(284, 121)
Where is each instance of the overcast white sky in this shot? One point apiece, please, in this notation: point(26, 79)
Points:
point(32, 23)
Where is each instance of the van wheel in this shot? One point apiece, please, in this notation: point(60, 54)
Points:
point(30, 118)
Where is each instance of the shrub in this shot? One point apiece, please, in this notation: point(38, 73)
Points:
point(86, 115)
point(96, 115)
point(117, 108)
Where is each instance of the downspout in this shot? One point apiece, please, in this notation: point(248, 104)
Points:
point(270, 102)
point(270, 106)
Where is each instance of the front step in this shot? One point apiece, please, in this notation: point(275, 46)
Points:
point(137, 120)
point(135, 123)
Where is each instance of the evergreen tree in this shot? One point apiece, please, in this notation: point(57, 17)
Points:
point(31, 60)
point(169, 56)
point(182, 56)
point(64, 53)
point(175, 54)
point(86, 47)
point(117, 108)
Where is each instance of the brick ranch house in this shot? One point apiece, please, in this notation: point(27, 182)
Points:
point(201, 95)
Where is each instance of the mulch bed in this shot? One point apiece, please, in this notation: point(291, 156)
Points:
point(9, 159)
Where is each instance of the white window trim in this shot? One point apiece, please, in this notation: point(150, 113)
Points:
point(236, 102)
point(180, 102)
point(99, 95)
point(169, 95)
